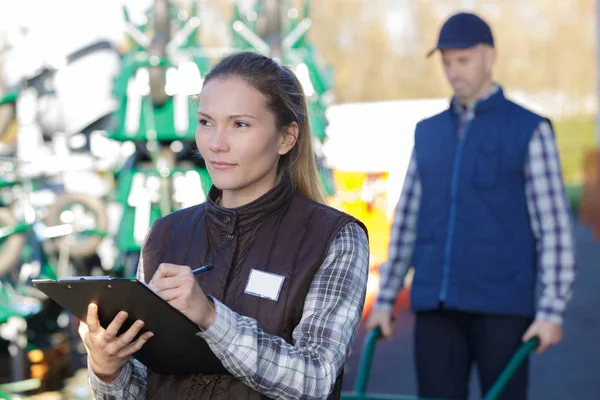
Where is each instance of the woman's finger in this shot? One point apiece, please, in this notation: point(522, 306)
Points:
point(171, 294)
point(135, 346)
point(82, 330)
point(113, 328)
point(129, 336)
point(92, 318)
point(87, 342)
point(168, 283)
point(165, 270)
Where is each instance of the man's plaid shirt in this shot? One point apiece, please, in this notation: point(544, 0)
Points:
point(549, 216)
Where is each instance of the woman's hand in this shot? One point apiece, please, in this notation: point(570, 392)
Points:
point(177, 285)
point(107, 352)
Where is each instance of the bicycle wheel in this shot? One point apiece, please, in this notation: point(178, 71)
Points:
point(7, 124)
point(10, 249)
point(90, 207)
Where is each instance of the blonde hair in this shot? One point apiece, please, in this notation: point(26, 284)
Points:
point(285, 98)
point(300, 163)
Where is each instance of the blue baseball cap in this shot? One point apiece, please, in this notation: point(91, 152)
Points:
point(463, 31)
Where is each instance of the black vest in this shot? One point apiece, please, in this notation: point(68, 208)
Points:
point(281, 232)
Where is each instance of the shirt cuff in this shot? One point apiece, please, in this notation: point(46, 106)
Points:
point(223, 330)
point(550, 316)
point(551, 313)
point(384, 305)
point(119, 384)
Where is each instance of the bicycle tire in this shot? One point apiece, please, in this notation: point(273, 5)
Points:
point(10, 249)
point(87, 246)
point(7, 121)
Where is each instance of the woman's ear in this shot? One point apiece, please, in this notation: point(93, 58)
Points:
point(289, 138)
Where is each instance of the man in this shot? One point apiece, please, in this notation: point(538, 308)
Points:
point(483, 208)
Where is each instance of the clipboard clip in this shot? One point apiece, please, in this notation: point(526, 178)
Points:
point(85, 278)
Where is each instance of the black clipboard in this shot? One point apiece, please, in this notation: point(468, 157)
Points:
point(174, 349)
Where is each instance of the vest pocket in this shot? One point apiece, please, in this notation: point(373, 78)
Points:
point(487, 168)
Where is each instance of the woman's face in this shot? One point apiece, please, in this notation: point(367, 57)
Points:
point(239, 140)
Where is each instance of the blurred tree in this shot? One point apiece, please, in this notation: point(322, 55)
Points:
point(549, 48)
point(542, 47)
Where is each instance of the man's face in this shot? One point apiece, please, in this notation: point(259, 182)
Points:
point(468, 70)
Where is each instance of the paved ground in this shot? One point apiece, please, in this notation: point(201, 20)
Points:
point(570, 371)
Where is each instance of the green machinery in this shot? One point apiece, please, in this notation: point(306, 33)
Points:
point(35, 243)
point(278, 29)
point(161, 73)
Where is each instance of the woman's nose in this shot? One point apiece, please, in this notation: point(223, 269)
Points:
point(218, 142)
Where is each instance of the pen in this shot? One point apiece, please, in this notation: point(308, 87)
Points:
point(204, 268)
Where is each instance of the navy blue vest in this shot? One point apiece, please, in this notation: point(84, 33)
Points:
point(475, 249)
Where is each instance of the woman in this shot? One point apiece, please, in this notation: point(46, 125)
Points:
point(263, 214)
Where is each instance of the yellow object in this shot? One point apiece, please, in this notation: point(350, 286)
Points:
point(35, 356)
point(10, 136)
point(364, 196)
point(39, 371)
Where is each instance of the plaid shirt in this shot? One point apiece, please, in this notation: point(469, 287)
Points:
point(307, 369)
point(549, 216)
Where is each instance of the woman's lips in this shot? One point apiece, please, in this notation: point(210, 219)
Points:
point(221, 165)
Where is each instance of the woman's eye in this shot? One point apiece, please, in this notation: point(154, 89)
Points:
point(203, 122)
point(240, 124)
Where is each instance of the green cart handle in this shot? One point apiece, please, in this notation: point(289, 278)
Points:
point(365, 361)
point(369, 349)
point(512, 366)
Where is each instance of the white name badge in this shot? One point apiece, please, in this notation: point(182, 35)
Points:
point(264, 284)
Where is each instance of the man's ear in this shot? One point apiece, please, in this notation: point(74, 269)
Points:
point(289, 138)
point(490, 56)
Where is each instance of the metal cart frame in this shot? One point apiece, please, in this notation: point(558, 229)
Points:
point(364, 371)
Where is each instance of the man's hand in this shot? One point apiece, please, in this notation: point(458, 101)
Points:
point(383, 320)
point(549, 334)
point(177, 285)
